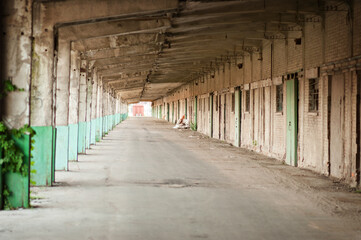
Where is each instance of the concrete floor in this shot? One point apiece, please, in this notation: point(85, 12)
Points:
point(147, 181)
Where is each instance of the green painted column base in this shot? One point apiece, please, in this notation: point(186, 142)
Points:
point(105, 125)
point(81, 137)
point(101, 122)
point(1, 185)
point(98, 130)
point(42, 156)
point(73, 142)
point(87, 135)
point(110, 122)
point(62, 150)
point(17, 184)
point(93, 126)
point(53, 156)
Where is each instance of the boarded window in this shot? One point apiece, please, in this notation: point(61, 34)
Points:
point(279, 98)
point(313, 95)
point(233, 102)
point(248, 100)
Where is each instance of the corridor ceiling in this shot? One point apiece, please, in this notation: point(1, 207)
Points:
point(144, 56)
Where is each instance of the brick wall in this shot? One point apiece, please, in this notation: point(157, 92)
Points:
point(294, 56)
point(279, 57)
point(357, 28)
point(325, 49)
point(266, 59)
point(337, 34)
point(314, 48)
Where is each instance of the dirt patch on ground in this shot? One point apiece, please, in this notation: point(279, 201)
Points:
point(331, 195)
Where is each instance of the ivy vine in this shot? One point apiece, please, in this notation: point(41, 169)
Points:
point(12, 159)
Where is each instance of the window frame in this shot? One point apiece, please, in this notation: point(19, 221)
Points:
point(279, 104)
point(313, 95)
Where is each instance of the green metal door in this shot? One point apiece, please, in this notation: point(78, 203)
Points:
point(237, 109)
point(292, 112)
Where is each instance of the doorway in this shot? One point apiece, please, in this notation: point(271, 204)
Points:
point(178, 107)
point(292, 125)
point(168, 112)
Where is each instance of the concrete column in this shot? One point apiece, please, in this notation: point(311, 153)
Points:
point(109, 111)
point(104, 101)
point(82, 106)
point(97, 112)
point(89, 91)
point(116, 109)
point(16, 66)
point(42, 94)
point(120, 109)
point(113, 112)
point(74, 105)
point(62, 104)
point(93, 123)
point(100, 111)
